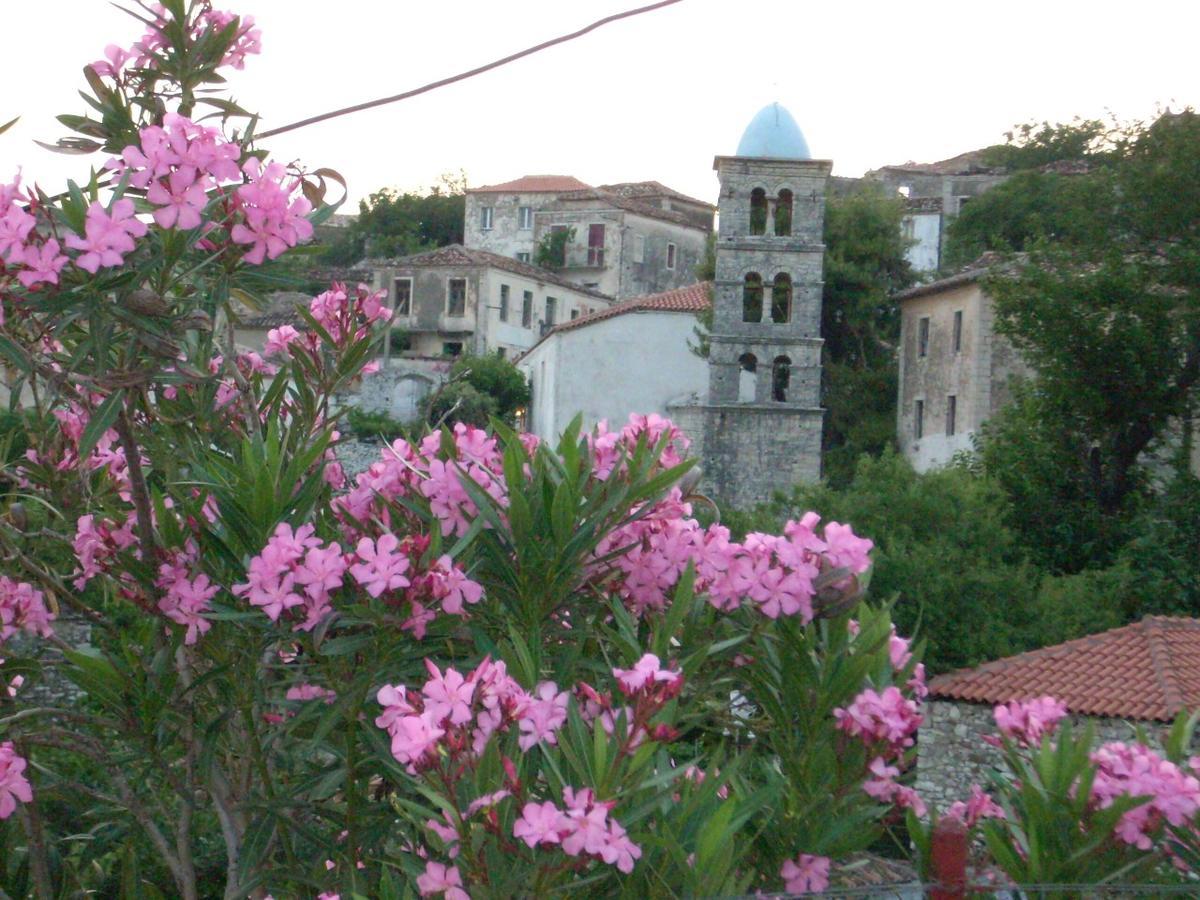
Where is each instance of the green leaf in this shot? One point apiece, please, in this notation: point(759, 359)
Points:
point(101, 421)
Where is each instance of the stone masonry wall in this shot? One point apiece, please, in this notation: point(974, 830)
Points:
point(952, 755)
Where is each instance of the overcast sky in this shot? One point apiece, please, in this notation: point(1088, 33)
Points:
point(653, 97)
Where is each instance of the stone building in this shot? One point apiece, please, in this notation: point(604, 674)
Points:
point(456, 300)
point(759, 428)
point(955, 372)
point(633, 357)
point(935, 193)
point(627, 240)
point(1143, 674)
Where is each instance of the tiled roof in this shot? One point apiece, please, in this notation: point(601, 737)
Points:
point(989, 262)
point(970, 163)
point(635, 190)
point(281, 310)
point(634, 206)
point(533, 184)
point(1149, 670)
point(691, 299)
point(458, 255)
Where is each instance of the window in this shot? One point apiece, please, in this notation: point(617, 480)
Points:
point(504, 303)
point(781, 377)
point(747, 378)
point(595, 257)
point(752, 298)
point(919, 420)
point(551, 309)
point(781, 299)
point(574, 314)
point(758, 211)
point(502, 352)
point(923, 336)
point(523, 257)
point(485, 218)
point(670, 256)
point(402, 296)
point(951, 412)
point(957, 330)
point(783, 213)
point(525, 218)
point(639, 248)
point(456, 297)
point(527, 309)
point(963, 201)
point(908, 228)
point(904, 191)
point(452, 348)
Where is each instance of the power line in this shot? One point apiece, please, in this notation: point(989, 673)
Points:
point(433, 85)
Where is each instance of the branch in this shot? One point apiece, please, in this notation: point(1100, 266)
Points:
point(434, 85)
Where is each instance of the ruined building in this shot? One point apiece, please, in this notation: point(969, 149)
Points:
point(759, 430)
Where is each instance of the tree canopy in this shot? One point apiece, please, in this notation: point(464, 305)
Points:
point(391, 223)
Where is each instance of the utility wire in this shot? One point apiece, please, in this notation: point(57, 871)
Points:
point(433, 85)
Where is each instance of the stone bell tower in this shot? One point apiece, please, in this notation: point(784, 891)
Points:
point(760, 429)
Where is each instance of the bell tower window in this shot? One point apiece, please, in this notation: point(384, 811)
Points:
point(758, 211)
point(752, 298)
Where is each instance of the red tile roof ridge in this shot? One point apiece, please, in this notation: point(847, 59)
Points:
point(533, 184)
point(1143, 681)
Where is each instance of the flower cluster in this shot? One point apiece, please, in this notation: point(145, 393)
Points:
point(1028, 721)
point(144, 54)
point(888, 717)
point(23, 608)
point(185, 598)
point(582, 827)
point(457, 715)
point(296, 570)
point(97, 544)
point(13, 784)
point(1134, 770)
point(35, 258)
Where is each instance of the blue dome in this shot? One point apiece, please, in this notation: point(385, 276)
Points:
point(773, 133)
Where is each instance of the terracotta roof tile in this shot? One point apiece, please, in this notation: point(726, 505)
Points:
point(458, 255)
point(1149, 670)
point(534, 184)
point(649, 210)
point(636, 190)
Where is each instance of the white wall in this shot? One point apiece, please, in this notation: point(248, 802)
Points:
point(511, 336)
point(924, 255)
point(632, 363)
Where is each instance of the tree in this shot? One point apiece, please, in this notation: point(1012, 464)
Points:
point(1108, 311)
point(392, 224)
point(864, 266)
point(551, 251)
point(481, 387)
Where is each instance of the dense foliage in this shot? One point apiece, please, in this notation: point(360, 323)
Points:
point(391, 223)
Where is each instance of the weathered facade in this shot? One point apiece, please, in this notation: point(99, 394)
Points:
point(626, 240)
point(955, 371)
point(456, 300)
point(759, 429)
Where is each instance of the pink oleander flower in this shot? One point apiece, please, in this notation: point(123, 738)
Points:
point(449, 585)
point(186, 601)
point(441, 879)
point(14, 786)
point(805, 874)
point(180, 199)
point(414, 738)
point(108, 235)
point(279, 338)
point(42, 264)
point(646, 672)
point(447, 696)
point(305, 692)
point(1028, 721)
point(23, 608)
point(889, 717)
point(15, 227)
point(545, 713)
point(541, 823)
point(979, 806)
point(114, 61)
point(381, 567)
point(1135, 770)
point(272, 219)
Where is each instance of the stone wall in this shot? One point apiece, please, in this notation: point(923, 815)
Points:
point(53, 688)
point(952, 755)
